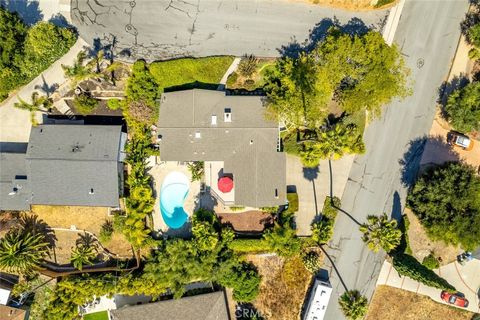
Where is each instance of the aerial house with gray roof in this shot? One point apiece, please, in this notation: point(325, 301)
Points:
point(231, 135)
point(74, 165)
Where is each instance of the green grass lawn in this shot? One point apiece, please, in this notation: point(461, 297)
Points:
point(102, 315)
point(184, 73)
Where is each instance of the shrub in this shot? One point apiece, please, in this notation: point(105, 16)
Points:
point(270, 210)
point(232, 80)
point(248, 66)
point(322, 231)
point(197, 170)
point(250, 246)
point(244, 280)
point(114, 104)
point(312, 262)
point(85, 104)
point(330, 207)
point(236, 208)
point(407, 265)
point(292, 198)
point(283, 240)
point(106, 231)
point(431, 262)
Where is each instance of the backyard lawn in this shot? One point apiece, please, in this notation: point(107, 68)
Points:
point(102, 315)
point(183, 73)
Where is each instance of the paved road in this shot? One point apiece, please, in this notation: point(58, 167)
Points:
point(427, 34)
point(162, 29)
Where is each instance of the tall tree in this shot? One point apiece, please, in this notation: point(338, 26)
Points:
point(381, 233)
point(22, 251)
point(353, 304)
point(38, 104)
point(12, 34)
point(463, 108)
point(446, 199)
point(283, 240)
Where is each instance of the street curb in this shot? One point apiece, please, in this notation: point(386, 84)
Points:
point(392, 22)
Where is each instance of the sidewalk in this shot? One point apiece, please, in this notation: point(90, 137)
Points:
point(15, 124)
point(466, 279)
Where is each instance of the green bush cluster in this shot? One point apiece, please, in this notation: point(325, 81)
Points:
point(407, 265)
point(311, 261)
point(106, 231)
point(446, 199)
point(27, 51)
point(249, 246)
point(431, 262)
point(322, 231)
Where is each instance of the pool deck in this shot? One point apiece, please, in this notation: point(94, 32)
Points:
point(159, 171)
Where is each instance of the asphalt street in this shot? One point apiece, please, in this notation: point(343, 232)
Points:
point(163, 29)
point(427, 35)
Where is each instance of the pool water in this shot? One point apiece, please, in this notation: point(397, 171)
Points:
point(173, 192)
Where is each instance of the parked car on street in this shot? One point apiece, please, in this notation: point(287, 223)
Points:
point(459, 140)
point(454, 298)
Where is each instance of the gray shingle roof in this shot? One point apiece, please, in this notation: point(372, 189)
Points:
point(211, 306)
point(63, 165)
point(74, 165)
point(247, 144)
point(13, 175)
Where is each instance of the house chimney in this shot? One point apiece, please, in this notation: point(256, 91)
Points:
point(214, 120)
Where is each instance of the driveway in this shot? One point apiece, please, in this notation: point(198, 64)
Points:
point(165, 29)
point(15, 123)
point(466, 279)
point(313, 185)
point(427, 34)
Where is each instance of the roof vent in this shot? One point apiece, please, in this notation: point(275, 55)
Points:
point(91, 191)
point(214, 120)
point(276, 193)
point(198, 135)
point(251, 141)
point(227, 116)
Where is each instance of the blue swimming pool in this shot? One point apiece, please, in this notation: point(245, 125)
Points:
point(173, 192)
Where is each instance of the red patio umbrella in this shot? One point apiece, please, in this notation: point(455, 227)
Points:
point(225, 184)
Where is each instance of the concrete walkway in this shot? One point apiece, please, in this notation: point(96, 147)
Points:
point(466, 279)
point(229, 71)
point(15, 124)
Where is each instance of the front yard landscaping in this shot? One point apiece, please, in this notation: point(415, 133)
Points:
point(189, 72)
point(102, 315)
point(392, 304)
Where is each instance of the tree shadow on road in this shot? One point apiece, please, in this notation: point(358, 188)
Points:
point(441, 152)
point(27, 10)
point(311, 174)
point(397, 207)
point(354, 26)
point(447, 87)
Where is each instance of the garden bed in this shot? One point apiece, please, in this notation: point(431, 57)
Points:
point(253, 221)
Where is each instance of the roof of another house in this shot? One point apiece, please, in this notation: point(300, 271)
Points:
point(10, 313)
point(14, 188)
point(193, 128)
point(74, 165)
point(210, 306)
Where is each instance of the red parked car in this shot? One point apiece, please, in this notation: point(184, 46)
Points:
point(455, 299)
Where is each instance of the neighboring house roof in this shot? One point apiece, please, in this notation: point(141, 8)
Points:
point(210, 306)
point(10, 313)
point(15, 191)
point(75, 165)
point(193, 126)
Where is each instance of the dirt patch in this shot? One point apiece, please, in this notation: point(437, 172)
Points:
point(283, 288)
point(249, 221)
point(392, 304)
point(83, 218)
point(422, 246)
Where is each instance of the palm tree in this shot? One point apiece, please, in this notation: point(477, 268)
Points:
point(339, 141)
point(82, 255)
point(79, 71)
point(381, 233)
point(22, 251)
point(38, 104)
point(353, 304)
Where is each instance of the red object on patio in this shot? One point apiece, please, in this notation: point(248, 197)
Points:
point(225, 184)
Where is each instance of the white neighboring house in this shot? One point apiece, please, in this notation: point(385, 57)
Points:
point(319, 298)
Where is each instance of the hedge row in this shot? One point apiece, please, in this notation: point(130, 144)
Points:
point(408, 266)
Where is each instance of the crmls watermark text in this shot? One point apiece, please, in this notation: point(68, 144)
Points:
point(247, 314)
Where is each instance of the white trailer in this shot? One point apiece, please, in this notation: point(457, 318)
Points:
point(318, 302)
